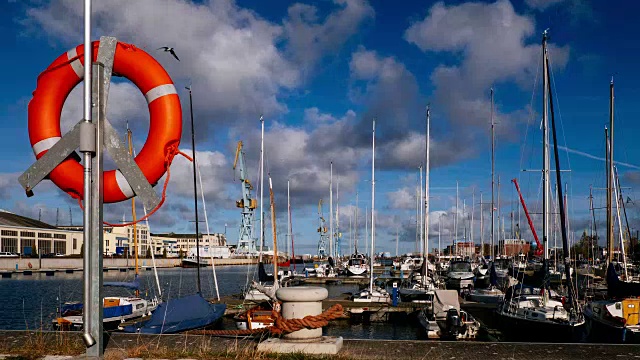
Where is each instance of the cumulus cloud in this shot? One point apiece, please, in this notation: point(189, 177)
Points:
point(493, 42)
point(309, 38)
point(541, 4)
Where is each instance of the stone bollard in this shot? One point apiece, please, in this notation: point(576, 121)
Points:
point(298, 302)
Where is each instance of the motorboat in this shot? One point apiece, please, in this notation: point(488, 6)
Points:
point(116, 311)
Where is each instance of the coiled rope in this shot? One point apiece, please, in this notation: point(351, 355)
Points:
point(283, 326)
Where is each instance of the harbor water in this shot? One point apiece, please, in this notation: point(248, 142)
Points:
point(30, 301)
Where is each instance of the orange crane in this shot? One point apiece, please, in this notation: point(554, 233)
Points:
point(539, 247)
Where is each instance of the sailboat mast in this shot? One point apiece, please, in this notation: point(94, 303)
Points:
point(545, 148)
point(455, 224)
point(481, 226)
point(275, 238)
point(331, 211)
point(421, 216)
point(289, 224)
point(261, 188)
point(610, 241)
point(426, 193)
point(133, 211)
point(493, 178)
point(355, 226)
point(338, 235)
point(561, 206)
point(373, 204)
point(195, 193)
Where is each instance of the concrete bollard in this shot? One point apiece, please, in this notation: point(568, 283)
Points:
point(298, 302)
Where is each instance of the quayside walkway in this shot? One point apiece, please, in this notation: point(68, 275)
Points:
point(37, 345)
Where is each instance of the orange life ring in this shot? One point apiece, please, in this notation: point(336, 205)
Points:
point(165, 128)
point(29, 265)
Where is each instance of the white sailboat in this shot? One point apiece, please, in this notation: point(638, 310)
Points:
point(372, 295)
point(531, 313)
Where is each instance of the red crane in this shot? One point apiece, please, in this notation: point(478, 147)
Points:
point(539, 247)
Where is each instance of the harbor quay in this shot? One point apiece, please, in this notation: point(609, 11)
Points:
point(37, 345)
point(26, 264)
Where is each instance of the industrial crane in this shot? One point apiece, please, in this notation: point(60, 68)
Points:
point(539, 247)
point(246, 242)
point(322, 229)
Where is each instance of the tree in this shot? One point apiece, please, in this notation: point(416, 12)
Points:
point(584, 246)
point(148, 252)
point(181, 254)
point(164, 252)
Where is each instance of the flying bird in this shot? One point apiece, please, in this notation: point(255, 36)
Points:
point(170, 50)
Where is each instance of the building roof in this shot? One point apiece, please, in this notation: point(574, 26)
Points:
point(182, 236)
point(11, 219)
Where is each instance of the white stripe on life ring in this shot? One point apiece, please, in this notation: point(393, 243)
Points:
point(123, 184)
point(45, 144)
point(76, 65)
point(160, 91)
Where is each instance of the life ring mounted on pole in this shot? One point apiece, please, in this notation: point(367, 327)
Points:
point(165, 127)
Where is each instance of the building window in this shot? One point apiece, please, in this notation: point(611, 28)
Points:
point(106, 242)
point(60, 247)
point(59, 236)
point(27, 234)
point(75, 244)
point(45, 235)
point(9, 245)
point(44, 246)
point(9, 233)
point(31, 243)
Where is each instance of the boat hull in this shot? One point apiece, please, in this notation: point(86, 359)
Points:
point(519, 329)
point(602, 332)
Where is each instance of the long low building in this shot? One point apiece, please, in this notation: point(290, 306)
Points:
point(29, 237)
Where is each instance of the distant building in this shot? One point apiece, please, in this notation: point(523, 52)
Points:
point(25, 236)
point(513, 247)
point(184, 242)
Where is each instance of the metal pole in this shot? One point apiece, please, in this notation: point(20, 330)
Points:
point(421, 217)
point(545, 151)
point(195, 192)
point(261, 188)
point(493, 178)
point(481, 227)
point(93, 309)
point(373, 204)
point(610, 241)
point(331, 211)
point(91, 336)
point(426, 192)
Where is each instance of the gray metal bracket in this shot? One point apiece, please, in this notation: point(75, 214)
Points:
point(112, 143)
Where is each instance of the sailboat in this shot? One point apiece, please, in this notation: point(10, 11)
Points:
point(616, 319)
point(188, 312)
point(530, 313)
point(372, 295)
point(420, 286)
point(116, 309)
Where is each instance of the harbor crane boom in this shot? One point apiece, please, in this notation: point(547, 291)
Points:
point(539, 247)
point(246, 241)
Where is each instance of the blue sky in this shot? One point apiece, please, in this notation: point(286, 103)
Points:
point(319, 72)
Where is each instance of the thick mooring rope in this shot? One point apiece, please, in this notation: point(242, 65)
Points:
point(283, 326)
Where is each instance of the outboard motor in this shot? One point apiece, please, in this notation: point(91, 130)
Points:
point(453, 323)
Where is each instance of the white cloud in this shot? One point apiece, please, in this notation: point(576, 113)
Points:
point(403, 198)
point(493, 43)
point(541, 4)
point(310, 39)
point(211, 39)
